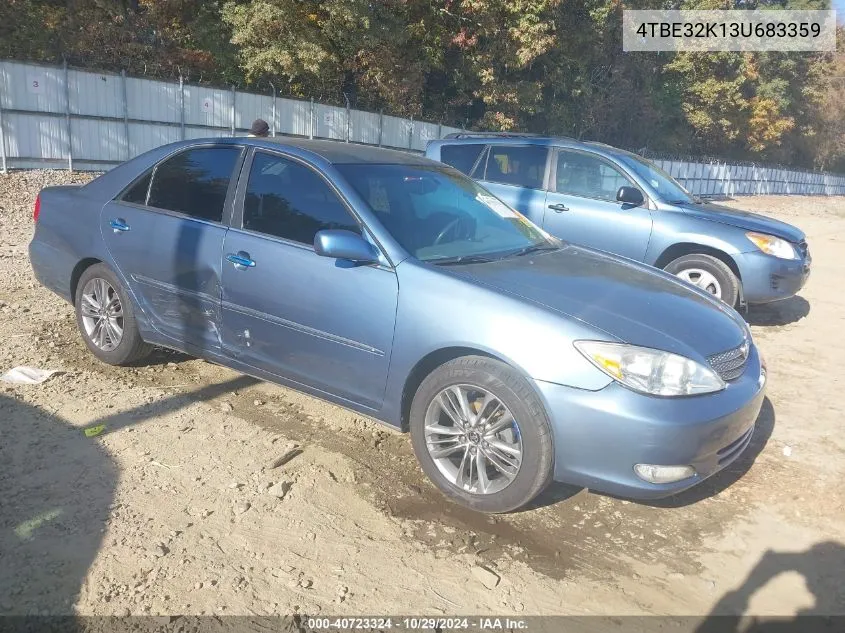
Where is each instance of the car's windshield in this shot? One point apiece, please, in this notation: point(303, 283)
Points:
point(439, 215)
point(667, 188)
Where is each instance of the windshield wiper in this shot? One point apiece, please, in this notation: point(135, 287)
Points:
point(464, 259)
point(534, 248)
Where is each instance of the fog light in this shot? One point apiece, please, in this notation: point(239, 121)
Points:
point(761, 381)
point(663, 474)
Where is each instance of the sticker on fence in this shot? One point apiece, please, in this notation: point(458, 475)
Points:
point(206, 105)
point(35, 82)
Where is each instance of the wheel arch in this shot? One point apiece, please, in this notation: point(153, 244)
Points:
point(675, 251)
point(78, 270)
point(428, 364)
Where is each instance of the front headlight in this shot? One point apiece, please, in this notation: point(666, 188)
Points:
point(772, 245)
point(651, 371)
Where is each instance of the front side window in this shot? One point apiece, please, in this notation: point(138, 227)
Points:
point(588, 176)
point(439, 215)
point(520, 165)
point(195, 182)
point(286, 199)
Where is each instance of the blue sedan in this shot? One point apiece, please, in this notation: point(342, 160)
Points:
point(395, 286)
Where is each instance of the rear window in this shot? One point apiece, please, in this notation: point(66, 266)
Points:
point(462, 157)
point(195, 182)
point(520, 165)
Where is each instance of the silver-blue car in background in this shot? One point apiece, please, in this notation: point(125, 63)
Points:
point(606, 198)
point(396, 286)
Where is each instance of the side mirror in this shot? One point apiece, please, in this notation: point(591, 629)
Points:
point(630, 195)
point(347, 245)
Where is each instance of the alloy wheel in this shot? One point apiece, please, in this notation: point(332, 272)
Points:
point(102, 314)
point(473, 439)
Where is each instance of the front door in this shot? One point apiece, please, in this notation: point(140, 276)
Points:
point(581, 206)
point(321, 322)
point(165, 234)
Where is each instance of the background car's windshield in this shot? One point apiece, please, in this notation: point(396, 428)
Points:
point(667, 188)
point(439, 214)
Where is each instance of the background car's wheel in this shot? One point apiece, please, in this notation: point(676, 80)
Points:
point(482, 435)
point(708, 273)
point(105, 319)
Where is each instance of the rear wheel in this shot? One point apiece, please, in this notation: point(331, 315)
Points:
point(708, 273)
point(482, 435)
point(105, 318)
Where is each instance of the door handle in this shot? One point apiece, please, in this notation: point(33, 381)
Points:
point(119, 225)
point(558, 207)
point(241, 260)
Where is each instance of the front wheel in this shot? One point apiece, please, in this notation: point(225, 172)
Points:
point(482, 435)
point(708, 273)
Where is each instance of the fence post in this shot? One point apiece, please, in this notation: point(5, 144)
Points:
point(2, 141)
point(274, 108)
point(411, 134)
point(67, 117)
point(181, 108)
point(125, 112)
point(233, 110)
point(440, 130)
point(311, 120)
point(348, 122)
point(380, 126)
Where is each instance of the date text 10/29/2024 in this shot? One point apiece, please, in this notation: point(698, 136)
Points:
point(416, 624)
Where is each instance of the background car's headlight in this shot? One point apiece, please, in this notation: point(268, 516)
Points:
point(651, 371)
point(772, 245)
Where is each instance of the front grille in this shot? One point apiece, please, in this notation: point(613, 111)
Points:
point(730, 365)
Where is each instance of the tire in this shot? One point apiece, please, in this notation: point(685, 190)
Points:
point(532, 432)
point(700, 269)
point(130, 348)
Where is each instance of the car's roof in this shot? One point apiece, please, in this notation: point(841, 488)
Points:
point(340, 153)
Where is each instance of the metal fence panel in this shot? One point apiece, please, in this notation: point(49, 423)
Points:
point(90, 94)
point(58, 117)
point(150, 100)
point(210, 107)
point(364, 127)
point(396, 132)
point(32, 87)
point(98, 140)
point(34, 136)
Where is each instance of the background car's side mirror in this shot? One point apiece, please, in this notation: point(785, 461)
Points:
point(630, 195)
point(345, 245)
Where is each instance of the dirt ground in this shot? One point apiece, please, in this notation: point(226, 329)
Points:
point(175, 507)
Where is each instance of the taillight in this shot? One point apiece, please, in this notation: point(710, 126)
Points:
point(37, 210)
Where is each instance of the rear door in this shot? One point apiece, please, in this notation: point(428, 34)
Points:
point(517, 175)
point(321, 322)
point(165, 234)
point(581, 205)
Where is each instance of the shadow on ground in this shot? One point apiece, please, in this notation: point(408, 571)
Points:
point(779, 312)
point(57, 489)
point(821, 566)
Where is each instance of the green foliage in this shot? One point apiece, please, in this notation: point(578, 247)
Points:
point(553, 66)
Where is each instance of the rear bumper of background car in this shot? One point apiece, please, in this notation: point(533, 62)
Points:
point(601, 435)
point(766, 278)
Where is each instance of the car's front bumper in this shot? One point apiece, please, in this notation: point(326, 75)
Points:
point(766, 278)
point(601, 435)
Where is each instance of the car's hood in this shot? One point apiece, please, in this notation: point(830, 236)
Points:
point(743, 219)
point(630, 301)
